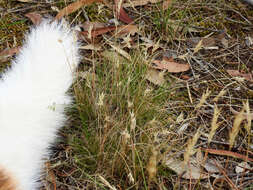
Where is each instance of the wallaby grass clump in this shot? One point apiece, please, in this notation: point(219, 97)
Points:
point(188, 131)
point(123, 109)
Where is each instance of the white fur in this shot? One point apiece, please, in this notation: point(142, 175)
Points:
point(32, 100)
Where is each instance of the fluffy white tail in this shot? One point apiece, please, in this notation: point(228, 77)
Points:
point(32, 101)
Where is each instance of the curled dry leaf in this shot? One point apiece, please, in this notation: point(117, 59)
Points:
point(236, 73)
point(5, 54)
point(36, 18)
point(74, 7)
point(170, 65)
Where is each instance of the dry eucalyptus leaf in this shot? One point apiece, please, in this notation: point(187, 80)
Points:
point(124, 30)
point(241, 167)
point(7, 53)
point(121, 13)
point(211, 166)
point(170, 65)
point(190, 171)
point(94, 25)
point(74, 7)
point(236, 73)
point(36, 18)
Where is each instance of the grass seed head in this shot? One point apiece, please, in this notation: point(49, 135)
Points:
point(222, 93)
point(203, 98)
point(236, 127)
point(190, 147)
point(133, 121)
point(214, 124)
point(248, 117)
point(152, 165)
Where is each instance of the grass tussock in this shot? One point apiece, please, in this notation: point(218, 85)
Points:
point(135, 127)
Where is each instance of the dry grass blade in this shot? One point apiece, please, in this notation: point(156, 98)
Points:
point(73, 7)
point(236, 127)
point(105, 182)
point(122, 52)
point(214, 124)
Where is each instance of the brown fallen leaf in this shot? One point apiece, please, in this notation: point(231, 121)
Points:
point(236, 73)
point(94, 25)
point(98, 32)
point(170, 65)
point(73, 7)
point(124, 30)
point(121, 13)
point(36, 18)
point(192, 171)
point(5, 54)
point(94, 29)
